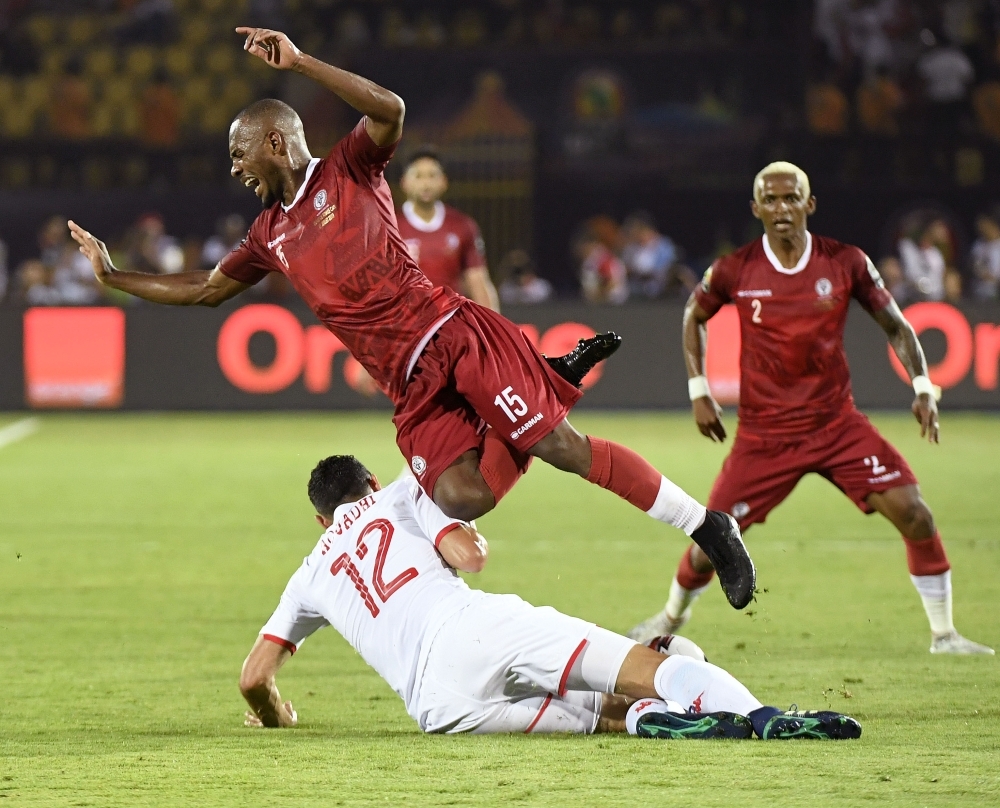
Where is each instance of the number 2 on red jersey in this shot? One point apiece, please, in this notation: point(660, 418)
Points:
point(384, 589)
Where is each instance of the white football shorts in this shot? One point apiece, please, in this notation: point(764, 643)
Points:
point(502, 665)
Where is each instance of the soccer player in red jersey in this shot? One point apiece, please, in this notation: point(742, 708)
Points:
point(792, 290)
point(445, 243)
point(475, 401)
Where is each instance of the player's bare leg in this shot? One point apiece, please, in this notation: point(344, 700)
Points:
point(928, 564)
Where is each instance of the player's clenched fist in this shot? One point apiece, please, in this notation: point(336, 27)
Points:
point(273, 47)
point(95, 250)
point(708, 416)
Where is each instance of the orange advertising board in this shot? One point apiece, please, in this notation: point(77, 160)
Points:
point(74, 357)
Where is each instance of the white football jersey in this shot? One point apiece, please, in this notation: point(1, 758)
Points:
point(376, 576)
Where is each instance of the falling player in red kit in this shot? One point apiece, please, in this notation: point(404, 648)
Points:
point(445, 243)
point(792, 290)
point(474, 400)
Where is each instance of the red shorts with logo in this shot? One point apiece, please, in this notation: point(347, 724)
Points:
point(477, 371)
point(762, 470)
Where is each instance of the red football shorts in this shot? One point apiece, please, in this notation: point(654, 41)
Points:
point(761, 471)
point(478, 370)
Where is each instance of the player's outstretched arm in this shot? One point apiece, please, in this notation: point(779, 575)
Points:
point(904, 342)
point(385, 110)
point(204, 288)
point(480, 288)
point(258, 687)
point(465, 549)
point(707, 413)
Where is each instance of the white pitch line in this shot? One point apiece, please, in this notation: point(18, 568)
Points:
point(19, 430)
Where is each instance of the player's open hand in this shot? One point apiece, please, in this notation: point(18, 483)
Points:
point(289, 719)
point(708, 416)
point(95, 250)
point(273, 47)
point(925, 410)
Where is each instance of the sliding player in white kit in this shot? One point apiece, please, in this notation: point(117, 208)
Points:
point(383, 574)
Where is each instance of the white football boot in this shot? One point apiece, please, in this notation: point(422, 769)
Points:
point(955, 643)
point(659, 624)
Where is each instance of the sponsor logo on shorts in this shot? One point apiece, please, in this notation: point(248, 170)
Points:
point(884, 478)
point(740, 509)
point(418, 464)
point(319, 201)
point(824, 288)
point(526, 426)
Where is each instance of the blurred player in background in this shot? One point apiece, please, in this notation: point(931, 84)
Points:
point(475, 401)
point(384, 575)
point(792, 290)
point(445, 243)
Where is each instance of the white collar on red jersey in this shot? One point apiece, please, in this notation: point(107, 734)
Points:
point(419, 224)
point(806, 255)
point(302, 188)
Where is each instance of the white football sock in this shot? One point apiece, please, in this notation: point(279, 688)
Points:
point(681, 599)
point(643, 706)
point(935, 592)
point(702, 687)
point(676, 507)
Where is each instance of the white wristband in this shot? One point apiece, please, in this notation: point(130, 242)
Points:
point(698, 388)
point(922, 385)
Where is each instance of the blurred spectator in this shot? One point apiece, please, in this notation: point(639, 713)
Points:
point(3, 270)
point(521, 284)
point(651, 260)
point(152, 21)
point(603, 277)
point(986, 258)
point(947, 74)
point(229, 232)
point(151, 250)
point(60, 275)
point(986, 102)
point(894, 278)
point(925, 258)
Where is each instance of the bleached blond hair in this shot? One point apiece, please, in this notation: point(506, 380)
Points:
point(781, 167)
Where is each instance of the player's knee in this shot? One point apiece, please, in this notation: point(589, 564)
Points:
point(919, 520)
point(463, 499)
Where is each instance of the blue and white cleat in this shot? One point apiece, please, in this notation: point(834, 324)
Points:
point(689, 726)
point(818, 724)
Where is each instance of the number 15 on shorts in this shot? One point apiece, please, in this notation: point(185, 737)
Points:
point(512, 404)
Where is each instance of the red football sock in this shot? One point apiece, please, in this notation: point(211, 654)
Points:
point(926, 556)
point(501, 464)
point(623, 472)
point(689, 577)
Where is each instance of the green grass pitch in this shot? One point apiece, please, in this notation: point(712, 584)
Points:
point(139, 555)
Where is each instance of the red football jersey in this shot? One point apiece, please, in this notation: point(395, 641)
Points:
point(445, 246)
point(339, 246)
point(793, 369)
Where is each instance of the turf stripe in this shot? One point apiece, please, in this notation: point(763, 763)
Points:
point(18, 431)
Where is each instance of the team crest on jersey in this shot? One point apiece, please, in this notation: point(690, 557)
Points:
point(418, 464)
point(824, 288)
point(413, 248)
point(452, 242)
point(740, 509)
point(319, 201)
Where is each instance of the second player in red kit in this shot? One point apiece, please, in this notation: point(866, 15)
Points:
point(797, 415)
point(474, 400)
point(445, 243)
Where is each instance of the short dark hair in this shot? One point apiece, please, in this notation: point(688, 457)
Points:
point(426, 152)
point(336, 480)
